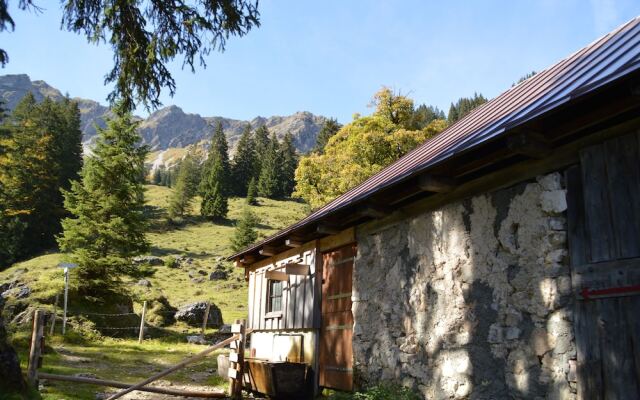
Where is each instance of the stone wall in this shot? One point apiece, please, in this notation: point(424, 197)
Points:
point(472, 300)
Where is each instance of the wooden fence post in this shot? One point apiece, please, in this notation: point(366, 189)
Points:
point(53, 318)
point(206, 318)
point(37, 345)
point(236, 360)
point(144, 312)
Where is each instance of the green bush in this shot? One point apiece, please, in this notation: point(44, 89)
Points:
point(384, 391)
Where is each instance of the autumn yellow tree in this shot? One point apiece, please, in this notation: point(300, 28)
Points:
point(362, 148)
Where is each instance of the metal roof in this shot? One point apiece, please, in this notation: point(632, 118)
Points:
point(609, 58)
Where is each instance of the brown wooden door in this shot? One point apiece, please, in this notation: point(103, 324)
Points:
point(336, 353)
point(604, 241)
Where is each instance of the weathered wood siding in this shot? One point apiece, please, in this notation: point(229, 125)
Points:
point(604, 231)
point(300, 295)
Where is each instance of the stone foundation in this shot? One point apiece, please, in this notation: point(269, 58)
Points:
point(472, 300)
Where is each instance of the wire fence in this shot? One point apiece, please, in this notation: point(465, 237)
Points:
point(142, 323)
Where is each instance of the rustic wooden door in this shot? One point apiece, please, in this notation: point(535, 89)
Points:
point(604, 241)
point(336, 353)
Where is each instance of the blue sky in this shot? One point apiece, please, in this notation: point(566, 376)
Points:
point(330, 56)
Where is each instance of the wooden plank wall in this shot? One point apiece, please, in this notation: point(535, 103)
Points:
point(299, 297)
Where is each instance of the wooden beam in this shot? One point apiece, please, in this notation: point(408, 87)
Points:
point(293, 242)
point(276, 276)
point(374, 211)
point(248, 259)
point(436, 184)
point(326, 229)
point(122, 385)
point(296, 269)
point(268, 251)
point(176, 367)
point(530, 144)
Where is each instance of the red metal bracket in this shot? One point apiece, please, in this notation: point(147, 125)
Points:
point(609, 292)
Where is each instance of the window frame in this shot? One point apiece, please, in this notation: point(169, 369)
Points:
point(270, 311)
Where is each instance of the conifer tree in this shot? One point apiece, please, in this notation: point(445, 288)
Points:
point(214, 204)
point(244, 161)
point(269, 183)
point(329, 129)
point(289, 163)
point(261, 143)
point(220, 148)
point(252, 191)
point(214, 187)
point(41, 152)
point(107, 226)
point(185, 189)
point(245, 232)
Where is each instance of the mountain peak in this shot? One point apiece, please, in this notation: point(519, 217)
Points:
point(169, 126)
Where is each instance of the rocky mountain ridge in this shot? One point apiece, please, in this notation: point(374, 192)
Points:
point(168, 127)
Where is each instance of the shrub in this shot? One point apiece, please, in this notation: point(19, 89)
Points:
point(383, 391)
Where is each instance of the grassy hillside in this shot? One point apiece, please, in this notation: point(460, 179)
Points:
point(123, 359)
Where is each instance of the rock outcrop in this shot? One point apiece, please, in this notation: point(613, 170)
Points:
point(169, 127)
point(193, 315)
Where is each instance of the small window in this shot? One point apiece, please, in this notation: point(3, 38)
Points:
point(275, 296)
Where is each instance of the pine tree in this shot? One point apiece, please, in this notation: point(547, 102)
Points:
point(289, 163)
point(107, 227)
point(328, 130)
point(220, 148)
point(464, 106)
point(245, 232)
point(252, 191)
point(244, 161)
point(269, 181)
point(41, 153)
point(214, 204)
point(261, 142)
point(185, 189)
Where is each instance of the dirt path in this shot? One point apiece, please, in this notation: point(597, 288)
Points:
point(157, 396)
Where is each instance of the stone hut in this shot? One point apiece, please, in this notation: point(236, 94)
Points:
point(498, 260)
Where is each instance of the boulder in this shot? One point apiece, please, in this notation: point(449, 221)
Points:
point(193, 314)
point(150, 260)
point(218, 275)
point(144, 283)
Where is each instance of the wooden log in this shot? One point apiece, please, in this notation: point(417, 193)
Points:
point(35, 352)
point(121, 385)
point(174, 368)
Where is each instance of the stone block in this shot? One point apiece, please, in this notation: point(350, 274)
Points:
point(554, 202)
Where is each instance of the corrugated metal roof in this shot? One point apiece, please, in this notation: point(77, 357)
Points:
point(603, 61)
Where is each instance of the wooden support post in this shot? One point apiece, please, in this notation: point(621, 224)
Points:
point(206, 318)
point(176, 367)
point(35, 353)
point(142, 316)
point(236, 361)
point(53, 318)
